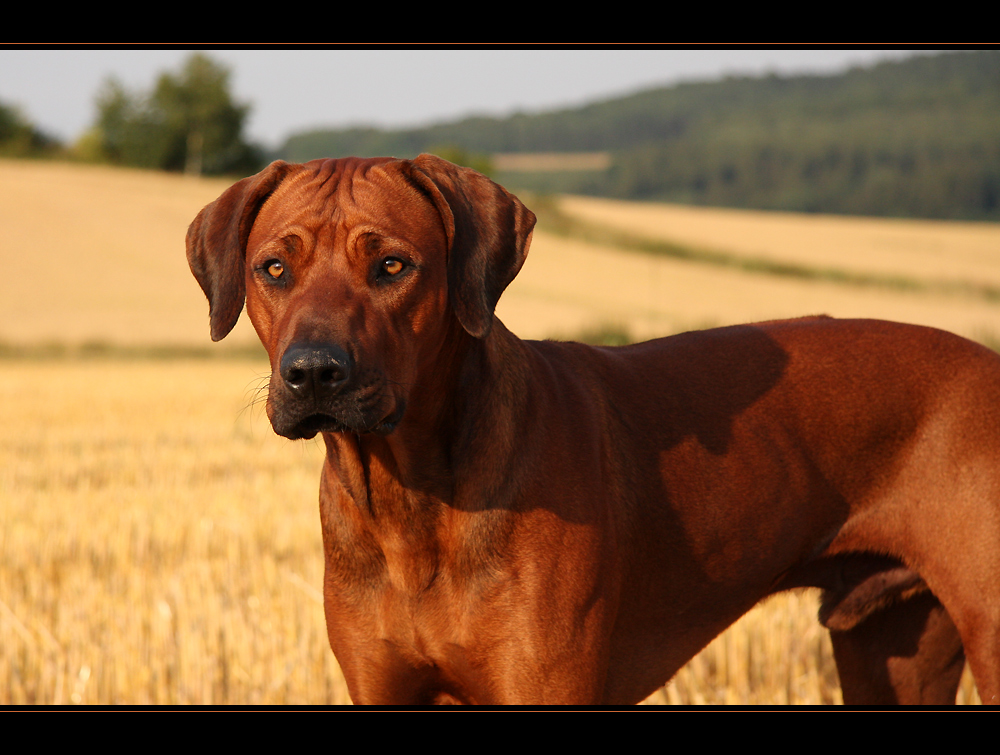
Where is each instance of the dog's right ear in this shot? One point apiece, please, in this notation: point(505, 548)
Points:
point(217, 244)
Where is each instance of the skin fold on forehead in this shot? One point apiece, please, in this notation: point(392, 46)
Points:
point(328, 196)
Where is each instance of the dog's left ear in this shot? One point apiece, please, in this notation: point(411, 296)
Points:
point(489, 232)
point(217, 243)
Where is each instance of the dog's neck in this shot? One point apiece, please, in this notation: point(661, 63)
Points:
point(412, 491)
point(461, 423)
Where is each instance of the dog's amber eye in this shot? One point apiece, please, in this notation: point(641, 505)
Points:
point(275, 269)
point(392, 266)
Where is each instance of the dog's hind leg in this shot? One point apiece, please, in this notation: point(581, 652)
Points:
point(967, 584)
point(908, 653)
point(977, 618)
point(893, 640)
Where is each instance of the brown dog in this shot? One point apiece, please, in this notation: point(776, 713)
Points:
point(510, 521)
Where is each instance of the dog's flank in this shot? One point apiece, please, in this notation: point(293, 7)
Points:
point(507, 521)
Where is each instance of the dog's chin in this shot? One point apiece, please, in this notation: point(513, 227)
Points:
point(311, 425)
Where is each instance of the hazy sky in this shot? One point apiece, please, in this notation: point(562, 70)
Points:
point(294, 90)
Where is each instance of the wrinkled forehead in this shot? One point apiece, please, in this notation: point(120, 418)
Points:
point(327, 196)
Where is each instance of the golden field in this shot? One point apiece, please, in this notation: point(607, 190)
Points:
point(161, 545)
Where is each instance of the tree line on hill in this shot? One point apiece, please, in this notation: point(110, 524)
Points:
point(918, 137)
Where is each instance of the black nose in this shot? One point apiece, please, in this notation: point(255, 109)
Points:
point(315, 368)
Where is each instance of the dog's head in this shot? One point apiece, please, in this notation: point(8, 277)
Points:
point(354, 274)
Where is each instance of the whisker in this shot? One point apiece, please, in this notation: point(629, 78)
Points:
point(259, 394)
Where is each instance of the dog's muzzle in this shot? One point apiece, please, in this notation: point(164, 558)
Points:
point(320, 390)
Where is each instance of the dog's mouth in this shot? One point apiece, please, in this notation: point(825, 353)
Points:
point(313, 424)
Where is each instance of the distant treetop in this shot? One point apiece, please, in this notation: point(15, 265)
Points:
point(187, 122)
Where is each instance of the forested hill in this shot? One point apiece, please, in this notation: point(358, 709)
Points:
point(918, 138)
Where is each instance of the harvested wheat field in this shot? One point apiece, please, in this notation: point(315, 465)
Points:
point(745, 266)
point(161, 545)
point(100, 253)
point(929, 250)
